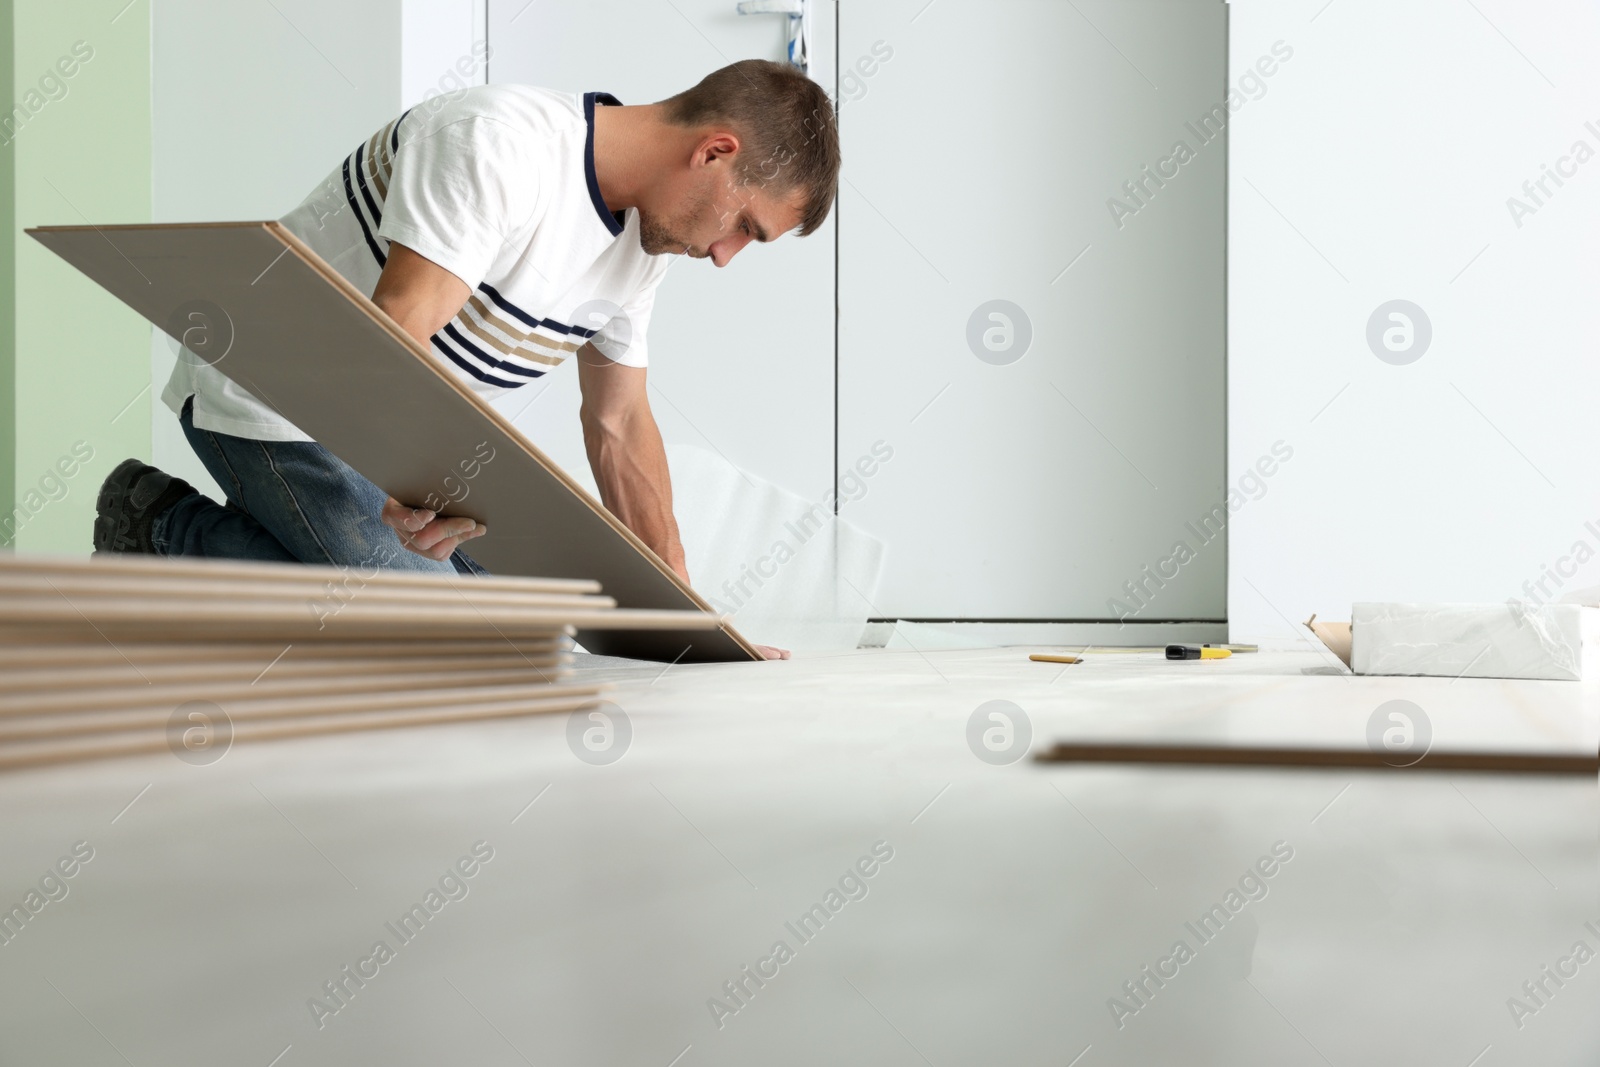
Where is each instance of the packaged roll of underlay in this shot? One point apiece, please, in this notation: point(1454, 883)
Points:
point(1557, 642)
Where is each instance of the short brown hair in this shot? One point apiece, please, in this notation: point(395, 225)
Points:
point(785, 122)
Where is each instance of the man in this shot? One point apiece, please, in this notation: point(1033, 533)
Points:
point(489, 224)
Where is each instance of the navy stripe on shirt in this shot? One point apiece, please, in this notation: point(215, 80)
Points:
point(366, 194)
point(469, 368)
point(350, 195)
point(531, 320)
point(500, 364)
point(394, 139)
point(361, 179)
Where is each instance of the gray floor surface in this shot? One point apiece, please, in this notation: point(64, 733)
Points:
point(646, 867)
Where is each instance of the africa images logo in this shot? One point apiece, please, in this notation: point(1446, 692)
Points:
point(1399, 732)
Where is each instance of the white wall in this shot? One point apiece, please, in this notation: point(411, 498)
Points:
point(1377, 166)
point(443, 46)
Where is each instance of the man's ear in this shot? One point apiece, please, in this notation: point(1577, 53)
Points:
point(718, 146)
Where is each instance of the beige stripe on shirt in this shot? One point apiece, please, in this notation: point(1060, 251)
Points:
point(522, 337)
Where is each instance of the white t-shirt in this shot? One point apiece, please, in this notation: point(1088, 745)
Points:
point(496, 184)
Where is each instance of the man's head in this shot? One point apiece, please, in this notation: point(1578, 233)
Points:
point(764, 160)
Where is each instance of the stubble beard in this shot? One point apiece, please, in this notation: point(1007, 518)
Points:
point(657, 238)
point(660, 237)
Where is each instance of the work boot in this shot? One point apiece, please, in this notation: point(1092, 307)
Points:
point(130, 499)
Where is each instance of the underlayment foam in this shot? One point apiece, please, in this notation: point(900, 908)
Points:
point(788, 571)
point(1559, 642)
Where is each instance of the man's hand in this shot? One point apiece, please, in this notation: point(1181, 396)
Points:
point(427, 534)
point(768, 652)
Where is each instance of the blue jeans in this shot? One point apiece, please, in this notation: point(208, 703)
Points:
point(288, 502)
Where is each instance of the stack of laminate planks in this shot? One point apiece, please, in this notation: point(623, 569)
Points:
point(124, 654)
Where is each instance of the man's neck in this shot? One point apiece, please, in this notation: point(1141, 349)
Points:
point(629, 150)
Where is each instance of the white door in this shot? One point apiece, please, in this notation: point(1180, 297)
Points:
point(1047, 370)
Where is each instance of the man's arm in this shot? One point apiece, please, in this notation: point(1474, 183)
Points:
point(421, 296)
point(626, 453)
point(628, 459)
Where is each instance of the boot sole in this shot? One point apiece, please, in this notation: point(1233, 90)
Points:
point(112, 523)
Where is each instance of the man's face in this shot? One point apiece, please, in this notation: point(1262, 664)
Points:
point(708, 212)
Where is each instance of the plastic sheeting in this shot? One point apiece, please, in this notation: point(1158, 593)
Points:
point(788, 571)
point(1559, 642)
point(923, 637)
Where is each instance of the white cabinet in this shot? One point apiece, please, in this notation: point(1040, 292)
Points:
point(1049, 377)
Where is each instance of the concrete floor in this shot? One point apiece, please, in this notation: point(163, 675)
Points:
point(1018, 900)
